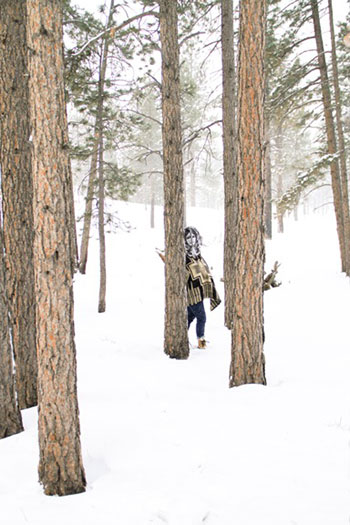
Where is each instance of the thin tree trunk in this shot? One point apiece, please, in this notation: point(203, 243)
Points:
point(101, 184)
point(10, 416)
point(342, 153)
point(152, 202)
point(60, 468)
point(279, 189)
point(175, 331)
point(228, 121)
point(247, 357)
point(330, 132)
point(84, 247)
point(101, 230)
point(17, 190)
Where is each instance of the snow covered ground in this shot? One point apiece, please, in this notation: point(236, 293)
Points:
point(167, 442)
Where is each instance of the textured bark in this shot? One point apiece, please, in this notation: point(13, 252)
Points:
point(330, 132)
point(342, 153)
point(228, 122)
point(175, 332)
point(60, 468)
point(16, 180)
point(10, 416)
point(247, 358)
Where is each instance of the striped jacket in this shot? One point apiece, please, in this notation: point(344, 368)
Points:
point(200, 284)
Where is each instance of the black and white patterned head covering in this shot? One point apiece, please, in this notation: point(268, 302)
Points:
point(193, 242)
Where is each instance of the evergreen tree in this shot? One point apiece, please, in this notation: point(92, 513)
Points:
point(17, 191)
point(175, 334)
point(10, 416)
point(60, 469)
point(247, 357)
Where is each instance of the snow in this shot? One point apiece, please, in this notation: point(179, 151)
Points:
point(166, 441)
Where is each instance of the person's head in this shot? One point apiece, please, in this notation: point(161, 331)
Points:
point(193, 241)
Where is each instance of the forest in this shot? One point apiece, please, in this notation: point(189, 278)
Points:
point(122, 123)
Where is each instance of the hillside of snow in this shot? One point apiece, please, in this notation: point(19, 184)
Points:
point(166, 441)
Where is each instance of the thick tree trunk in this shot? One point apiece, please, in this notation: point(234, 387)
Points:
point(10, 416)
point(17, 190)
point(330, 132)
point(60, 469)
point(342, 153)
point(247, 357)
point(228, 123)
point(175, 332)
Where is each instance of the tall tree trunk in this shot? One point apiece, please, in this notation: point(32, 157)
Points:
point(175, 330)
point(17, 189)
point(247, 357)
point(101, 183)
point(84, 247)
point(228, 123)
point(342, 153)
point(330, 132)
point(60, 468)
point(101, 230)
point(10, 416)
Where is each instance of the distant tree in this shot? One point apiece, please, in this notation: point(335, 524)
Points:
point(247, 357)
point(60, 468)
point(10, 416)
point(341, 142)
point(17, 191)
point(175, 334)
point(228, 122)
point(330, 132)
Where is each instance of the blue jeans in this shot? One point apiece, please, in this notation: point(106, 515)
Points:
point(197, 311)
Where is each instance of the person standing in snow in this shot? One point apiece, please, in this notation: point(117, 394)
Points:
point(199, 284)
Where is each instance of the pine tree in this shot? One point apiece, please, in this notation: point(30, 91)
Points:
point(175, 333)
point(10, 416)
point(228, 121)
point(60, 469)
point(17, 191)
point(247, 357)
point(330, 132)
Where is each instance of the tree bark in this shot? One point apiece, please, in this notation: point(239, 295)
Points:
point(228, 124)
point(101, 183)
point(60, 468)
point(101, 230)
point(10, 416)
point(330, 132)
point(342, 153)
point(17, 190)
point(247, 357)
point(175, 331)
